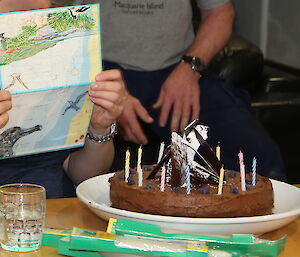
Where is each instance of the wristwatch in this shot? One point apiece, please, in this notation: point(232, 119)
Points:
point(102, 139)
point(196, 63)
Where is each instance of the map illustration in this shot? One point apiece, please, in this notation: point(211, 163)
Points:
point(48, 59)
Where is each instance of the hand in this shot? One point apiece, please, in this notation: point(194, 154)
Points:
point(17, 5)
point(180, 95)
point(5, 105)
point(109, 95)
point(129, 125)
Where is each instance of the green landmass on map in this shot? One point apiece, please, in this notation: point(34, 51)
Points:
point(21, 47)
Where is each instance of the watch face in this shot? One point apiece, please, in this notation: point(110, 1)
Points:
point(196, 64)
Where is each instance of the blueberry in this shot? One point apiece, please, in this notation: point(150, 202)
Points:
point(132, 171)
point(231, 174)
point(248, 187)
point(204, 190)
point(176, 189)
point(130, 181)
point(147, 168)
point(149, 187)
point(121, 176)
point(248, 180)
point(234, 190)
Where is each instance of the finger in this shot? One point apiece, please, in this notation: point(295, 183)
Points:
point(133, 131)
point(128, 135)
point(185, 116)
point(5, 106)
point(143, 114)
point(109, 106)
point(3, 119)
point(164, 113)
point(113, 74)
point(137, 131)
point(195, 108)
point(139, 137)
point(176, 116)
point(5, 95)
point(110, 86)
point(111, 96)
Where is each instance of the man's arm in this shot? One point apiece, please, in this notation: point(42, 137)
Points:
point(180, 93)
point(214, 31)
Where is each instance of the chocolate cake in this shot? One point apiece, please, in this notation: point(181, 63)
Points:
point(186, 182)
point(202, 202)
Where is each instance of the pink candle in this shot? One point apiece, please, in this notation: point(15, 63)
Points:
point(163, 179)
point(242, 171)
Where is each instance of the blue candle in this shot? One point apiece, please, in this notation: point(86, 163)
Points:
point(254, 171)
point(187, 179)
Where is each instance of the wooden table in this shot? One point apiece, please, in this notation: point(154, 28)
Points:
point(71, 212)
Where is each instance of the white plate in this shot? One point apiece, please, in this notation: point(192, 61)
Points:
point(94, 192)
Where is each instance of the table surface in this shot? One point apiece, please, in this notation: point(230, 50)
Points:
point(71, 212)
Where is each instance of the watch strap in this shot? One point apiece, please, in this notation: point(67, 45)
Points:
point(196, 63)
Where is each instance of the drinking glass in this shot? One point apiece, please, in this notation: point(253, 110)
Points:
point(22, 216)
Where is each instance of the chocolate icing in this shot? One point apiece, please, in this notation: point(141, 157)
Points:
point(202, 202)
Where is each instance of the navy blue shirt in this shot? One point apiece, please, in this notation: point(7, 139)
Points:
point(44, 169)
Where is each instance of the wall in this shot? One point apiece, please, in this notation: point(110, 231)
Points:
point(273, 25)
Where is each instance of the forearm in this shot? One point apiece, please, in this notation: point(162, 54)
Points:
point(213, 33)
point(91, 160)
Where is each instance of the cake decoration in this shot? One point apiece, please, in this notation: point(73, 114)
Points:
point(254, 171)
point(234, 190)
point(242, 170)
point(204, 190)
point(220, 187)
point(139, 167)
point(162, 179)
point(218, 151)
point(192, 146)
point(122, 176)
point(127, 164)
point(189, 180)
point(149, 186)
point(161, 151)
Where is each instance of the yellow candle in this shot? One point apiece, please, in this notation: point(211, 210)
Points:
point(127, 165)
point(139, 158)
point(221, 181)
point(218, 152)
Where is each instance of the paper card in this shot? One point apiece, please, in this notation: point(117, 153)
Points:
point(48, 58)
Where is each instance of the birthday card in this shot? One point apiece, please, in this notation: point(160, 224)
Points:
point(48, 58)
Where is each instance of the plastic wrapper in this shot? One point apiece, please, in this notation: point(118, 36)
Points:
point(131, 238)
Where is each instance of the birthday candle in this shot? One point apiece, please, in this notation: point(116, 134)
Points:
point(127, 161)
point(221, 181)
point(218, 151)
point(168, 171)
point(187, 179)
point(140, 176)
point(139, 168)
point(163, 179)
point(242, 171)
point(161, 151)
point(254, 171)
